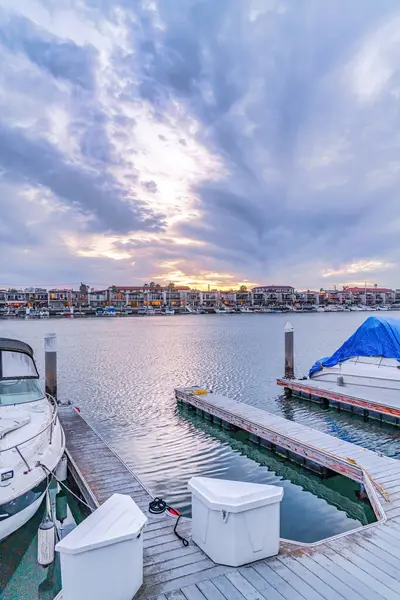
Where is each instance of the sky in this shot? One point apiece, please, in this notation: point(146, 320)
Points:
point(201, 142)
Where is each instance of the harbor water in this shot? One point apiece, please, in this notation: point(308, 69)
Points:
point(121, 373)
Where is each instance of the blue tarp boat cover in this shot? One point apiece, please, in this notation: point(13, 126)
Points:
point(375, 337)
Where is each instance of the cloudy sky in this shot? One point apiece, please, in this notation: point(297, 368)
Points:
point(199, 141)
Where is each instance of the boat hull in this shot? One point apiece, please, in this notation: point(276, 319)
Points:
point(30, 504)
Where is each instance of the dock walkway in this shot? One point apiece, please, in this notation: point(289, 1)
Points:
point(363, 564)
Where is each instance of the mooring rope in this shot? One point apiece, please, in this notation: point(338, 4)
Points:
point(46, 469)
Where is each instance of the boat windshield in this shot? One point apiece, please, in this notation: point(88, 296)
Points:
point(19, 391)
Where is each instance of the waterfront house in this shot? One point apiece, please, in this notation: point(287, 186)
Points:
point(210, 299)
point(307, 298)
point(97, 298)
point(191, 298)
point(134, 295)
point(273, 295)
point(228, 298)
point(244, 298)
point(330, 297)
point(36, 297)
point(371, 296)
point(175, 295)
point(59, 298)
point(116, 296)
point(15, 298)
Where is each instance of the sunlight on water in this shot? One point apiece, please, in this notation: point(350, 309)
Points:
point(122, 373)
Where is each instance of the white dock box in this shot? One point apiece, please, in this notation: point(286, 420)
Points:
point(102, 558)
point(235, 523)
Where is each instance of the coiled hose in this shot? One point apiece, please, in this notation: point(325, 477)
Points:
point(159, 506)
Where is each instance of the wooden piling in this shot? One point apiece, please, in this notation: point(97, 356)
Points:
point(289, 351)
point(50, 349)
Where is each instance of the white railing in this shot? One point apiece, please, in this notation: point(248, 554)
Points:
point(49, 427)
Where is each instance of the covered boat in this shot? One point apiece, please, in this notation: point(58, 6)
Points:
point(31, 438)
point(370, 357)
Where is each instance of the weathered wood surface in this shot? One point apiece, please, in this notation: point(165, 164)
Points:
point(361, 565)
point(383, 402)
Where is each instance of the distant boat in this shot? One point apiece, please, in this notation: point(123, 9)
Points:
point(169, 311)
point(223, 310)
point(331, 308)
point(246, 310)
point(110, 311)
point(99, 311)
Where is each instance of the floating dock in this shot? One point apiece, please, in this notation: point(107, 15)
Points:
point(361, 564)
point(387, 409)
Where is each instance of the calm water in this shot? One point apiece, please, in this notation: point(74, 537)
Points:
point(122, 372)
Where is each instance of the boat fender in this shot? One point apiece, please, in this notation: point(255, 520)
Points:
point(62, 468)
point(61, 506)
point(46, 542)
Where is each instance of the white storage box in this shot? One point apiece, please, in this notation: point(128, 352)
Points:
point(235, 523)
point(102, 558)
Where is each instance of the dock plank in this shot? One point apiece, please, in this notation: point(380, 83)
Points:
point(192, 592)
point(210, 591)
point(227, 588)
point(326, 576)
point(268, 572)
point(264, 588)
point(310, 579)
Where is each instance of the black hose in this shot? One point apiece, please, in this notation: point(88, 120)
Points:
point(158, 506)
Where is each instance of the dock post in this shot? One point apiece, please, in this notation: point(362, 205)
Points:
point(50, 349)
point(289, 351)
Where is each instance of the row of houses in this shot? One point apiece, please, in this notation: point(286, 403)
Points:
point(180, 296)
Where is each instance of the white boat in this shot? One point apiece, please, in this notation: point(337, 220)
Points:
point(246, 310)
point(30, 436)
point(189, 310)
point(331, 308)
point(367, 363)
point(169, 311)
point(223, 310)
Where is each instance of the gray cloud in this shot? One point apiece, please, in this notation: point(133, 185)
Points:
point(98, 196)
point(62, 58)
point(150, 186)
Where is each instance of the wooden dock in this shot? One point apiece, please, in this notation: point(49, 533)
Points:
point(364, 403)
point(362, 564)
